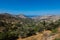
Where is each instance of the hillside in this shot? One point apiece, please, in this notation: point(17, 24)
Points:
point(46, 35)
point(13, 27)
point(46, 17)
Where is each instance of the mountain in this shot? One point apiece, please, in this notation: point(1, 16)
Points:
point(34, 17)
point(21, 16)
point(47, 17)
point(23, 26)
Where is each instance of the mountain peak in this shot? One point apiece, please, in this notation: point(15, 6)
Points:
point(21, 16)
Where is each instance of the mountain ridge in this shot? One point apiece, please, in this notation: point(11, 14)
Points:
point(35, 17)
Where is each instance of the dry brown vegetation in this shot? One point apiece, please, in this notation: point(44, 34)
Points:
point(42, 36)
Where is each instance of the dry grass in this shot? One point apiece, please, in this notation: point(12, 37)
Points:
point(42, 36)
point(36, 37)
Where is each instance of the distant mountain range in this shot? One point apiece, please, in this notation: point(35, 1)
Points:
point(35, 17)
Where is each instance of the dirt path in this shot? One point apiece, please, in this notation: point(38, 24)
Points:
point(41, 36)
point(35, 37)
point(52, 37)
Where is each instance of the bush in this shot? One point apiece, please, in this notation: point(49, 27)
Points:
point(8, 36)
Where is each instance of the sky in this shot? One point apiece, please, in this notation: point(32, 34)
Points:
point(30, 7)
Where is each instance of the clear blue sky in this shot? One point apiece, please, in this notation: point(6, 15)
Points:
point(30, 7)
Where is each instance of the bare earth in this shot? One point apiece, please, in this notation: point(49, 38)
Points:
point(41, 36)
